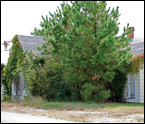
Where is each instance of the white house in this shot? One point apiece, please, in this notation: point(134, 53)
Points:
point(134, 88)
point(28, 43)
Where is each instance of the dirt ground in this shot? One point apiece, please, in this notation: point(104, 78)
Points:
point(100, 115)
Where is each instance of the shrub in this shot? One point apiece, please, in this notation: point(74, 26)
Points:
point(87, 91)
point(45, 81)
point(75, 95)
point(94, 92)
point(6, 98)
point(32, 101)
point(102, 96)
point(117, 85)
point(64, 93)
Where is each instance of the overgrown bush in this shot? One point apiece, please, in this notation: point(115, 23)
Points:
point(87, 91)
point(117, 85)
point(64, 93)
point(32, 101)
point(94, 93)
point(75, 94)
point(102, 96)
point(45, 81)
point(6, 98)
point(37, 83)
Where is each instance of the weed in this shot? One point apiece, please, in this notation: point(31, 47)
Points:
point(52, 105)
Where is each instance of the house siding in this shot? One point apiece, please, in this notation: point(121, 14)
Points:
point(125, 91)
point(23, 87)
point(20, 93)
point(13, 90)
point(142, 85)
point(137, 90)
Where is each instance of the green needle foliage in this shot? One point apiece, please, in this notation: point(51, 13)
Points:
point(82, 37)
point(116, 86)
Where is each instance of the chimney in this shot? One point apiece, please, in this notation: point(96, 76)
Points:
point(131, 35)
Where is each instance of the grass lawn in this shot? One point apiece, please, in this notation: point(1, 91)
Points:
point(40, 103)
point(82, 106)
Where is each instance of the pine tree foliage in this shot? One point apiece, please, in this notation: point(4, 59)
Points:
point(37, 32)
point(82, 37)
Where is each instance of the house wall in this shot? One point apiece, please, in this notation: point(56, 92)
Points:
point(142, 85)
point(13, 90)
point(23, 87)
point(21, 91)
point(20, 86)
point(137, 90)
point(125, 90)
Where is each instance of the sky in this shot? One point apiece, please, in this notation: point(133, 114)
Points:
point(20, 17)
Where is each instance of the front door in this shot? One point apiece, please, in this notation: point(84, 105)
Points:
point(131, 86)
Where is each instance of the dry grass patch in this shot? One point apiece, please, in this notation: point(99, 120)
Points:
point(116, 113)
point(14, 107)
point(66, 115)
point(62, 112)
point(52, 113)
point(125, 109)
point(20, 111)
point(7, 104)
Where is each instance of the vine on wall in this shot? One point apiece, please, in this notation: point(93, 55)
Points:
point(137, 63)
point(16, 54)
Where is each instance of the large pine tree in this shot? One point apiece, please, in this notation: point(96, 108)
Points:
point(83, 37)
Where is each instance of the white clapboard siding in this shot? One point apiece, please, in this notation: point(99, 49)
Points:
point(125, 90)
point(142, 85)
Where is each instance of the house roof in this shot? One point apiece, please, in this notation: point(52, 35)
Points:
point(137, 46)
point(31, 42)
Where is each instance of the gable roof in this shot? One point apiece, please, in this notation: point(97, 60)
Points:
point(137, 46)
point(31, 42)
